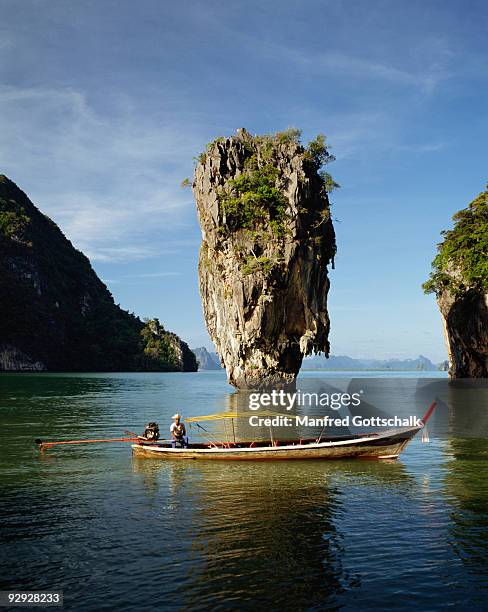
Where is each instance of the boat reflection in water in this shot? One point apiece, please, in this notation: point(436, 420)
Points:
point(262, 533)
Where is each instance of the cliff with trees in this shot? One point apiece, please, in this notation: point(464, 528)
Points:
point(56, 314)
point(459, 279)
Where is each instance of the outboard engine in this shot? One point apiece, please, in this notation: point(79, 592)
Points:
point(151, 432)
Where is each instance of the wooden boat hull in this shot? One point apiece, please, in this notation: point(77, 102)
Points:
point(385, 445)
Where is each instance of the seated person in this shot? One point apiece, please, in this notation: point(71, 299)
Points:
point(178, 432)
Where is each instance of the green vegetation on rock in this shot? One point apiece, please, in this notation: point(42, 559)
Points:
point(161, 348)
point(257, 264)
point(255, 202)
point(462, 259)
point(256, 196)
point(317, 152)
point(12, 223)
point(253, 198)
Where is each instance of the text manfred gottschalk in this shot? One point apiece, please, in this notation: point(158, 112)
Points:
point(281, 400)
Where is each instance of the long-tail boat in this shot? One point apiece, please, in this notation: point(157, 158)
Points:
point(374, 445)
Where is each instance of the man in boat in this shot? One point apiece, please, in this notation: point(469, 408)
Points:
point(178, 432)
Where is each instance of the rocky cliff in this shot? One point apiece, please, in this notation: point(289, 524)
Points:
point(460, 281)
point(465, 321)
point(267, 239)
point(206, 359)
point(56, 314)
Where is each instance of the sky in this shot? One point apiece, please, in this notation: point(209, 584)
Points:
point(104, 104)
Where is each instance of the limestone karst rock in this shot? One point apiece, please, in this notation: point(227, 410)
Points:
point(206, 360)
point(466, 331)
point(267, 239)
point(460, 282)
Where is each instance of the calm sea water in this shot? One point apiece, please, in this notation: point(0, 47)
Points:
point(115, 533)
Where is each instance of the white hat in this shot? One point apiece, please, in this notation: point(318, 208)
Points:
point(176, 416)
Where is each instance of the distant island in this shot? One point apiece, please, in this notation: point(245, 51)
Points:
point(344, 363)
point(209, 360)
point(57, 315)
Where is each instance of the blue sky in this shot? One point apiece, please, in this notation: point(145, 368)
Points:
point(105, 103)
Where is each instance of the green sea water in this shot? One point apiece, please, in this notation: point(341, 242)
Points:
point(119, 533)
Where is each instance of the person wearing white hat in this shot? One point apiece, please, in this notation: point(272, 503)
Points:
point(178, 432)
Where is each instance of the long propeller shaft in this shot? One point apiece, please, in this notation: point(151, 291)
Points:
point(43, 445)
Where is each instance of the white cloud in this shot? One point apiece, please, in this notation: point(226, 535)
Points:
point(355, 134)
point(361, 68)
point(162, 274)
point(111, 180)
point(107, 180)
point(5, 43)
point(428, 147)
point(120, 254)
point(422, 69)
point(156, 274)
